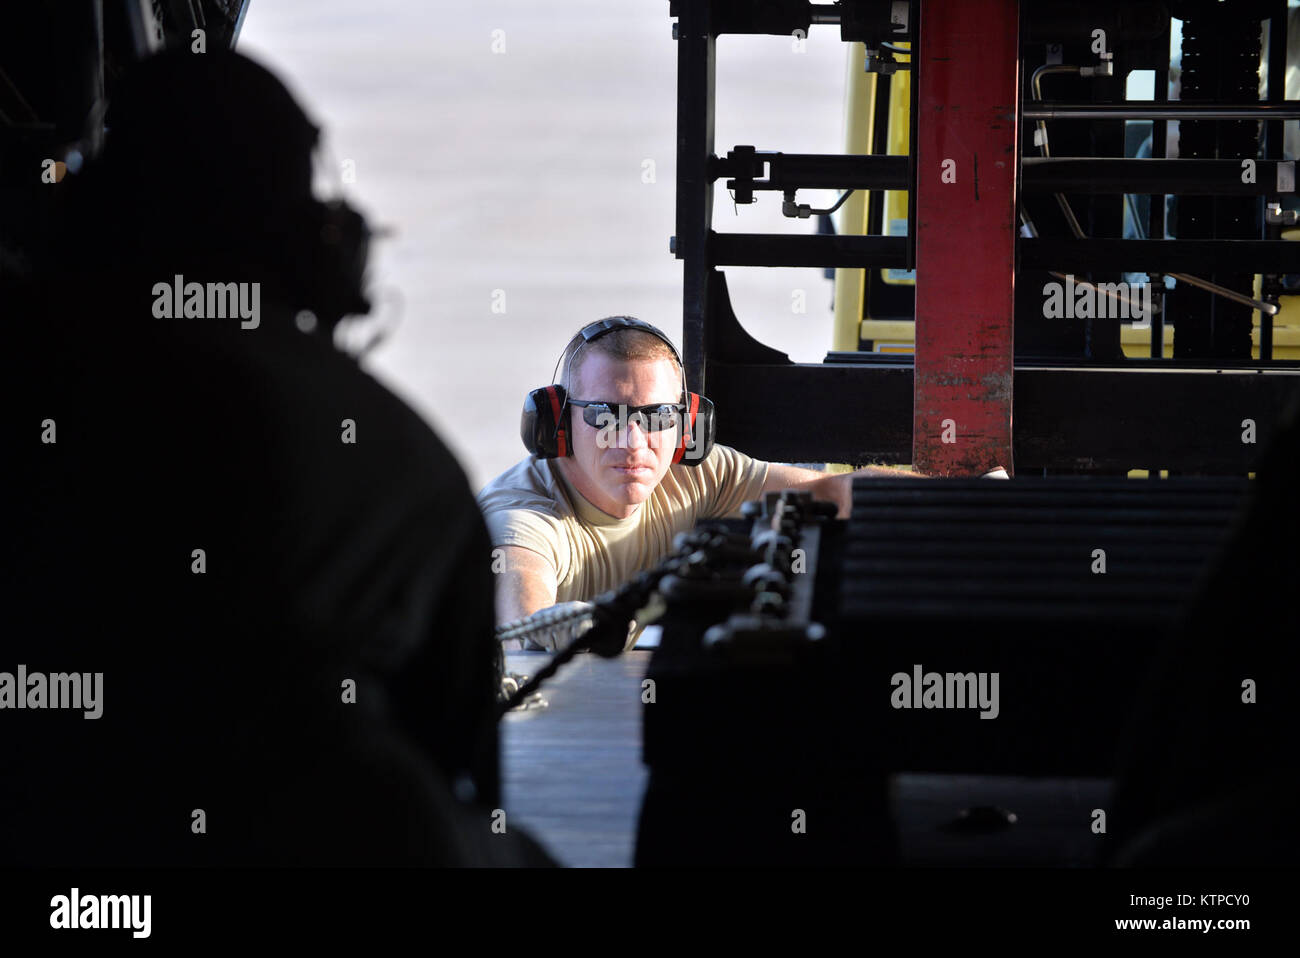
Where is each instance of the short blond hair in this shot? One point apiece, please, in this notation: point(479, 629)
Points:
point(624, 345)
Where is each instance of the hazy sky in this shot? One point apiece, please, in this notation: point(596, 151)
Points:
point(522, 171)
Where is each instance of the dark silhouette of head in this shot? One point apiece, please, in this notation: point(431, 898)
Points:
point(207, 171)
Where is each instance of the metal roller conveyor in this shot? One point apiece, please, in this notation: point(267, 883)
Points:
point(958, 630)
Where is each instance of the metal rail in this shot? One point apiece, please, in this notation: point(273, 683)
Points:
point(1153, 110)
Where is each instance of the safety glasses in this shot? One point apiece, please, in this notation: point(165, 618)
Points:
point(652, 418)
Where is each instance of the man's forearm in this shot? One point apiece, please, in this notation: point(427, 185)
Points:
point(832, 487)
point(887, 472)
point(838, 488)
point(520, 594)
point(525, 585)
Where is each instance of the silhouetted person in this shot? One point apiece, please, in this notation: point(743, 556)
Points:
point(276, 565)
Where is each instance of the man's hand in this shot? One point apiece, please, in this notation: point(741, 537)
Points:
point(527, 583)
point(836, 487)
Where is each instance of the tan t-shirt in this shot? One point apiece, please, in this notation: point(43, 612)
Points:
point(532, 505)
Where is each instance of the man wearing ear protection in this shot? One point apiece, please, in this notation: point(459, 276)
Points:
point(622, 458)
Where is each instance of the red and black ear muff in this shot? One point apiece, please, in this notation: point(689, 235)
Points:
point(696, 441)
point(544, 432)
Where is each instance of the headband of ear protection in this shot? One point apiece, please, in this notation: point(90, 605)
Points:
point(544, 425)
